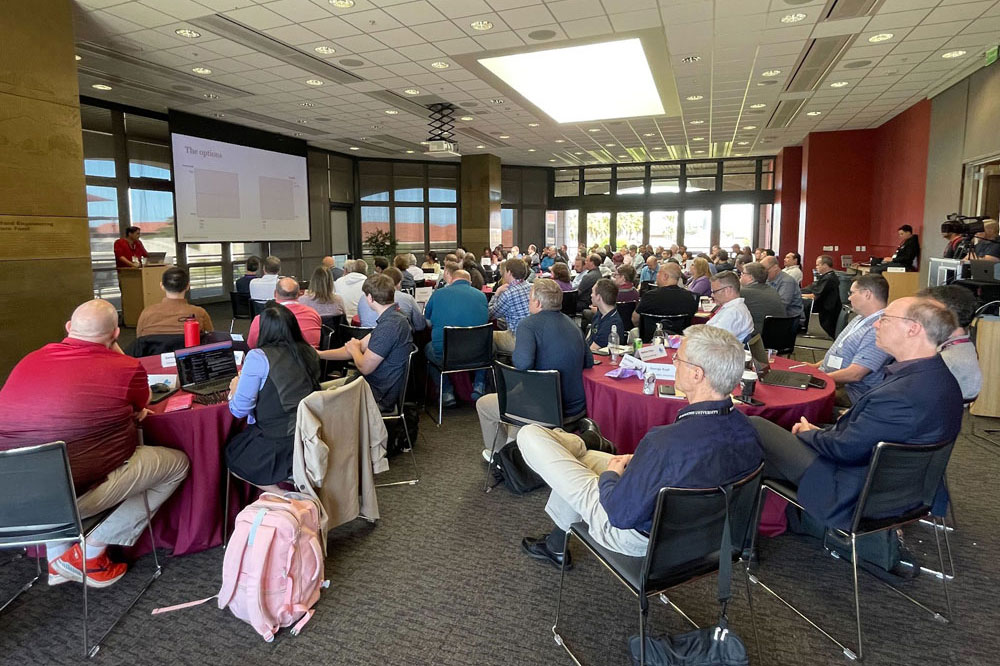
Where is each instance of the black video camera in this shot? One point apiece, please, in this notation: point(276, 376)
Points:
point(964, 225)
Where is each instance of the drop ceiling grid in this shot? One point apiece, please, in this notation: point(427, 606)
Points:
point(397, 41)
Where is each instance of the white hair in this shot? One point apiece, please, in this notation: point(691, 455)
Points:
point(718, 353)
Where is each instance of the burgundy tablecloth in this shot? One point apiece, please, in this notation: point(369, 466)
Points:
point(191, 519)
point(625, 414)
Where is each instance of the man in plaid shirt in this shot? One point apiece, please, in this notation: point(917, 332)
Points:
point(510, 303)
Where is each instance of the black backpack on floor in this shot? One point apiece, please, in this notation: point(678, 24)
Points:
point(510, 469)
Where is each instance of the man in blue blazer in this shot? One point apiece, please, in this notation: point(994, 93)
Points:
point(919, 402)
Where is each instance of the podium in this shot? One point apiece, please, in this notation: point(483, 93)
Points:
point(988, 346)
point(140, 287)
point(902, 284)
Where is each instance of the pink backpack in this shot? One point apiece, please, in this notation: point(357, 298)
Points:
point(273, 570)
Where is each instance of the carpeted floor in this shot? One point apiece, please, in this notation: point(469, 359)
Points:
point(441, 580)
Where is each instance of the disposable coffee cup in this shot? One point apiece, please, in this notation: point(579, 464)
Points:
point(748, 384)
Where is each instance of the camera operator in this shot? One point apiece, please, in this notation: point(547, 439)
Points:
point(958, 245)
point(987, 247)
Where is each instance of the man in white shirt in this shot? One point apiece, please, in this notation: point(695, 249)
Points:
point(414, 269)
point(732, 313)
point(262, 288)
point(349, 287)
point(793, 266)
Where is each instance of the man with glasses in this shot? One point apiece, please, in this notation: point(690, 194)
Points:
point(786, 285)
point(710, 444)
point(854, 361)
point(761, 300)
point(732, 315)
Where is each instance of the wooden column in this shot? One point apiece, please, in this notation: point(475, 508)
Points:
point(44, 241)
point(480, 201)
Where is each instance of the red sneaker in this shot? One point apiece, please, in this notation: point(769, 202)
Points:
point(101, 571)
point(55, 577)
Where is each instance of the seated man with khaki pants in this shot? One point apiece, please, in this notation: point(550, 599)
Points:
point(710, 444)
point(510, 303)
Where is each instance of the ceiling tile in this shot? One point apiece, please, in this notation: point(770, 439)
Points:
point(372, 20)
point(293, 34)
point(969, 10)
point(258, 17)
point(883, 22)
point(294, 10)
point(415, 13)
point(420, 51)
point(398, 37)
point(588, 27)
point(527, 17)
point(637, 20)
point(458, 46)
point(500, 40)
point(361, 43)
point(332, 28)
point(461, 8)
point(569, 10)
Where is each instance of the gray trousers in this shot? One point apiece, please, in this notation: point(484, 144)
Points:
point(785, 455)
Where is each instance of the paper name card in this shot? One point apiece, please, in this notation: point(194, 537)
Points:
point(632, 362)
point(652, 351)
point(236, 337)
point(239, 357)
point(662, 371)
point(167, 360)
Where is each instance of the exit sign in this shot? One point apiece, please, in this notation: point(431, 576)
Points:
point(991, 55)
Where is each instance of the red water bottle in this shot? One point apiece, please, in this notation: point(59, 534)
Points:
point(192, 332)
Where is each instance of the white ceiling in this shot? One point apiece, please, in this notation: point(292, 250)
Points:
point(397, 40)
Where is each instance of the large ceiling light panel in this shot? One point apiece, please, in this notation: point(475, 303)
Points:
point(582, 83)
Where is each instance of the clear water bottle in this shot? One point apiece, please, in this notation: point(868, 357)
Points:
point(613, 345)
point(658, 335)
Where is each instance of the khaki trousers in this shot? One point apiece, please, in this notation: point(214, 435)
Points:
point(503, 341)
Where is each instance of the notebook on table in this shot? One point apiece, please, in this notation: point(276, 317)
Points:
point(206, 369)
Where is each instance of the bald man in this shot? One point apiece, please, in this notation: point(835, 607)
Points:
point(286, 293)
point(331, 265)
point(84, 391)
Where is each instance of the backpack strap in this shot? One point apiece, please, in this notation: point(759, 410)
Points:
point(261, 546)
point(233, 562)
point(725, 559)
point(189, 604)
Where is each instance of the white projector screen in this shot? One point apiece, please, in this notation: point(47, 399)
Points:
point(225, 192)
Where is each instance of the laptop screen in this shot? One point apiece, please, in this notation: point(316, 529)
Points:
point(205, 363)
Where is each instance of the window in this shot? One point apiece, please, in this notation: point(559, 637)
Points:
point(408, 181)
point(153, 212)
point(739, 175)
point(550, 227)
point(442, 182)
point(148, 160)
point(665, 178)
point(507, 219)
point(567, 182)
point(597, 180)
point(444, 226)
point(698, 230)
point(98, 154)
point(628, 228)
point(736, 225)
point(767, 174)
point(409, 227)
point(567, 230)
point(701, 176)
point(663, 228)
point(374, 180)
point(598, 229)
point(374, 218)
point(630, 180)
point(102, 216)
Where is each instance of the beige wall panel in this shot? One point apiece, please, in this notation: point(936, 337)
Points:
point(36, 51)
point(28, 237)
point(29, 323)
point(982, 139)
point(41, 158)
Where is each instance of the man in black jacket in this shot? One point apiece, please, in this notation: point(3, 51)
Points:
point(592, 268)
point(669, 298)
point(907, 254)
point(826, 294)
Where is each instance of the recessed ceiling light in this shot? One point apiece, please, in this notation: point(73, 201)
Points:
point(411, 91)
point(302, 122)
point(622, 156)
point(101, 86)
point(698, 138)
point(650, 134)
point(354, 148)
point(440, 64)
point(749, 127)
point(691, 59)
point(185, 32)
point(481, 25)
point(694, 98)
point(583, 83)
point(342, 4)
point(466, 118)
point(480, 146)
point(531, 150)
point(210, 96)
point(578, 153)
point(307, 104)
point(78, 58)
point(594, 129)
point(771, 72)
point(881, 37)
point(742, 143)
point(552, 160)
point(953, 54)
point(313, 82)
point(793, 18)
point(657, 147)
point(219, 115)
point(391, 112)
point(532, 124)
point(325, 50)
point(560, 140)
point(201, 70)
point(410, 152)
point(699, 152)
point(757, 106)
point(610, 145)
point(814, 113)
point(503, 136)
point(839, 84)
point(697, 122)
point(496, 100)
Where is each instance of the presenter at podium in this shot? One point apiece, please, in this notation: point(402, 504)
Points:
point(129, 251)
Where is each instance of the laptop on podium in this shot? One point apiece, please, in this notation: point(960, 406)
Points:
point(206, 369)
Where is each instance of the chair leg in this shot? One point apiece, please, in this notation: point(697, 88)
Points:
point(225, 512)
point(555, 627)
point(944, 579)
point(489, 466)
point(86, 629)
point(27, 586)
point(413, 459)
point(440, 399)
point(643, 613)
point(857, 595)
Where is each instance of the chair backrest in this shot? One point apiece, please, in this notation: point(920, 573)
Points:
point(347, 331)
point(37, 499)
point(256, 307)
point(843, 319)
point(329, 337)
point(529, 396)
point(150, 345)
point(901, 483)
point(241, 305)
point(646, 286)
point(779, 333)
point(672, 324)
point(807, 309)
point(569, 303)
point(687, 529)
point(625, 310)
point(467, 347)
point(397, 409)
point(844, 282)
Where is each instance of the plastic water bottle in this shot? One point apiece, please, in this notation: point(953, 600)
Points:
point(658, 336)
point(613, 345)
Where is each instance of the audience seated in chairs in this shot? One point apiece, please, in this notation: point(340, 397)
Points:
point(286, 294)
point(761, 300)
point(320, 296)
point(958, 351)
point(50, 395)
point(826, 294)
point(919, 402)
point(168, 315)
point(547, 340)
point(854, 361)
point(732, 314)
point(788, 288)
point(404, 301)
point(382, 355)
point(701, 278)
point(282, 370)
point(402, 263)
point(710, 444)
point(624, 279)
point(669, 298)
point(510, 303)
point(250, 274)
point(349, 286)
point(603, 297)
point(560, 273)
point(262, 288)
point(457, 304)
point(330, 264)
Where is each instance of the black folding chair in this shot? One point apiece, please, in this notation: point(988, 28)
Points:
point(779, 333)
point(329, 337)
point(625, 310)
point(151, 345)
point(843, 319)
point(807, 308)
point(465, 348)
point(347, 331)
point(529, 396)
point(256, 307)
point(240, 303)
point(684, 544)
point(672, 324)
point(899, 489)
point(398, 413)
point(38, 506)
point(569, 303)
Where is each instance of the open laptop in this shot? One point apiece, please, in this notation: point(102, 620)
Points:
point(206, 369)
point(786, 378)
point(156, 258)
point(983, 270)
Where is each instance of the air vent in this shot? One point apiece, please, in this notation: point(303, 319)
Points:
point(785, 113)
point(481, 137)
point(405, 103)
point(241, 34)
point(816, 61)
point(844, 9)
point(276, 122)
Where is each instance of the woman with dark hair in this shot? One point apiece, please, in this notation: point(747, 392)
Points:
point(277, 374)
point(431, 261)
point(560, 273)
point(320, 296)
point(475, 272)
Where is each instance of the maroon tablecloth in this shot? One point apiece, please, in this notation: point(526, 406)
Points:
point(191, 519)
point(625, 414)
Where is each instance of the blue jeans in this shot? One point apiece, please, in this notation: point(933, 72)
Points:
point(479, 381)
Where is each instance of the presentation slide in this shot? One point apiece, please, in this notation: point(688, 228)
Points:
point(227, 192)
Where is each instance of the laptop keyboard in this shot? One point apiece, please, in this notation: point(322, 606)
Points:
point(784, 378)
point(216, 398)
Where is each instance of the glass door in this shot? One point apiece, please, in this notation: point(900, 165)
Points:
point(663, 228)
point(698, 230)
point(598, 229)
point(735, 225)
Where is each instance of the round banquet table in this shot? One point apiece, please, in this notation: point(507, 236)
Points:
point(625, 414)
point(190, 520)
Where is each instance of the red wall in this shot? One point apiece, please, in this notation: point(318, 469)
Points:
point(787, 197)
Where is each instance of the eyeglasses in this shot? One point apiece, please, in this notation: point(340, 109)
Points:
point(715, 291)
point(885, 316)
point(677, 357)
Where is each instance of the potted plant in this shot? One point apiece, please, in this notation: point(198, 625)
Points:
point(380, 243)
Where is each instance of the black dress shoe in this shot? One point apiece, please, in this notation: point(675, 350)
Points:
point(592, 439)
point(537, 548)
